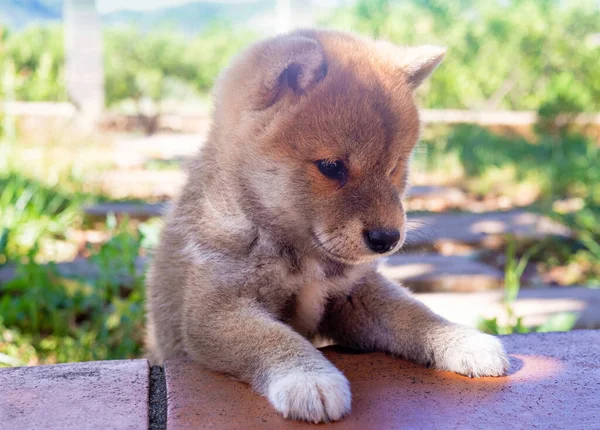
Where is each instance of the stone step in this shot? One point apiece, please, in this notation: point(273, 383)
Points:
point(553, 383)
point(436, 273)
point(101, 394)
point(160, 145)
point(143, 184)
point(135, 152)
point(424, 191)
point(139, 211)
point(535, 305)
point(78, 268)
point(480, 228)
point(434, 198)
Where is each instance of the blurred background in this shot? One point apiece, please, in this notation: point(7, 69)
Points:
point(101, 101)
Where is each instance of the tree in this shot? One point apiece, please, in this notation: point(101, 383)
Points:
point(511, 54)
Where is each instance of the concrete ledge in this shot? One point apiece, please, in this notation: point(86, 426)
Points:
point(554, 383)
point(96, 395)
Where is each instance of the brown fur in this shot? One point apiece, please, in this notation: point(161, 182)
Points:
point(262, 252)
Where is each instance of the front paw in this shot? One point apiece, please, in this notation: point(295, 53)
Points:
point(472, 353)
point(311, 396)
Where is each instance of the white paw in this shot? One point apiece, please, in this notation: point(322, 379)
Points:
point(311, 396)
point(472, 353)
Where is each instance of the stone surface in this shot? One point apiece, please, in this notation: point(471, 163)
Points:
point(478, 228)
point(434, 272)
point(134, 152)
point(535, 305)
point(132, 210)
point(424, 191)
point(553, 383)
point(434, 198)
point(123, 184)
point(160, 145)
point(96, 395)
point(78, 268)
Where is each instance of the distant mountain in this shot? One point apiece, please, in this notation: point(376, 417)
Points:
point(190, 18)
point(19, 13)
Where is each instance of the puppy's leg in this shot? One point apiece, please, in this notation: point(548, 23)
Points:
point(243, 340)
point(380, 315)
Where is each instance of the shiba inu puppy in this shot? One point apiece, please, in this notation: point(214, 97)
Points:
point(294, 196)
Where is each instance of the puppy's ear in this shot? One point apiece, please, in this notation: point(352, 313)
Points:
point(419, 62)
point(415, 63)
point(287, 66)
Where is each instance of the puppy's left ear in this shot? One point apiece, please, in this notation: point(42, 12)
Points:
point(415, 63)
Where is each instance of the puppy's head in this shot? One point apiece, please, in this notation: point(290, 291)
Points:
point(319, 127)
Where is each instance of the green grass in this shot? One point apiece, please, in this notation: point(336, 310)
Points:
point(32, 214)
point(513, 272)
point(560, 166)
point(46, 318)
point(554, 169)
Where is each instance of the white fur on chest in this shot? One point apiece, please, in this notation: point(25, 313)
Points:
point(312, 297)
point(310, 306)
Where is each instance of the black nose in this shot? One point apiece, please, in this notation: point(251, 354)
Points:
point(381, 240)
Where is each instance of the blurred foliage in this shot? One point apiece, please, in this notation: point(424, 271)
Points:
point(40, 200)
point(32, 61)
point(513, 272)
point(138, 65)
point(150, 68)
point(31, 213)
point(49, 317)
point(46, 318)
point(560, 166)
point(511, 54)
point(156, 65)
point(561, 170)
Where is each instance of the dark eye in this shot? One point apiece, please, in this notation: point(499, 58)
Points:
point(333, 169)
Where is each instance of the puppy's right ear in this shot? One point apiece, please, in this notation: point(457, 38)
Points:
point(287, 66)
point(414, 63)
